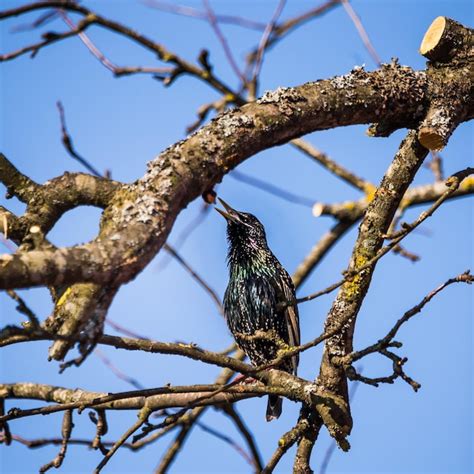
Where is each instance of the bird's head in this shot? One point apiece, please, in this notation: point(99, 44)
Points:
point(243, 228)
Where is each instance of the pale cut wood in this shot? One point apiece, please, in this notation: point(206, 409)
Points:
point(433, 35)
point(447, 39)
point(431, 139)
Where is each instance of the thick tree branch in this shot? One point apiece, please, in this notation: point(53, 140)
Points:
point(172, 181)
point(349, 299)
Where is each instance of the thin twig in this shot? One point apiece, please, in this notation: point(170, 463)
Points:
point(67, 142)
point(142, 419)
point(66, 431)
point(40, 21)
point(228, 440)
point(253, 80)
point(285, 443)
point(178, 442)
point(272, 189)
point(132, 381)
point(436, 166)
point(362, 32)
point(185, 10)
point(222, 40)
point(89, 18)
point(320, 250)
point(453, 184)
point(117, 372)
point(24, 309)
point(116, 70)
point(287, 26)
point(332, 166)
point(231, 411)
point(187, 232)
point(4, 427)
point(465, 277)
point(196, 277)
point(124, 330)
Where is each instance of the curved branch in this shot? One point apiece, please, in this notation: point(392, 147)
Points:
point(143, 213)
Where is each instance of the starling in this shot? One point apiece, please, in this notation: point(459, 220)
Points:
point(257, 297)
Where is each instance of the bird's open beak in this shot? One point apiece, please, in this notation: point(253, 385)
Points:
point(231, 214)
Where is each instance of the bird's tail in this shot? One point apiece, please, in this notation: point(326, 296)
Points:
point(274, 406)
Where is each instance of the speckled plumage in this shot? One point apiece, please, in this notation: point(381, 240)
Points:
point(255, 298)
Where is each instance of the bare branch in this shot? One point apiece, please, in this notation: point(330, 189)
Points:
point(118, 71)
point(4, 427)
point(66, 431)
point(436, 166)
point(17, 183)
point(453, 183)
point(24, 309)
point(187, 421)
point(332, 447)
point(256, 459)
point(222, 40)
point(383, 343)
point(67, 142)
point(361, 30)
point(181, 66)
point(153, 191)
point(286, 27)
point(272, 189)
point(142, 419)
point(202, 15)
point(253, 80)
point(196, 277)
point(117, 372)
point(124, 330)
point(285, 443)
point(332, 166)
point(322, 247)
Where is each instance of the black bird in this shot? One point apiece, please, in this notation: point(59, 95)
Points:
point(257, 296)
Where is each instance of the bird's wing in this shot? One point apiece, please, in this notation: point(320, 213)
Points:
point(287, 291)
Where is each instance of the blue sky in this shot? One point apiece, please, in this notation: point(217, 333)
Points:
point(120, 124)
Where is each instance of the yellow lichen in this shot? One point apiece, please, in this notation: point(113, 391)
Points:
point(467, 184)
point(370, 190)
point(404, 203)
point(349, 205)
point(360, 260)
point(352, 286)
point(63, 297)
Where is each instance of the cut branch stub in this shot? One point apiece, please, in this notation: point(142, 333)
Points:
point(446, 42)
point(446, 39)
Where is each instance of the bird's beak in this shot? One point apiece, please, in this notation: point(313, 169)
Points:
point(231, 215)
